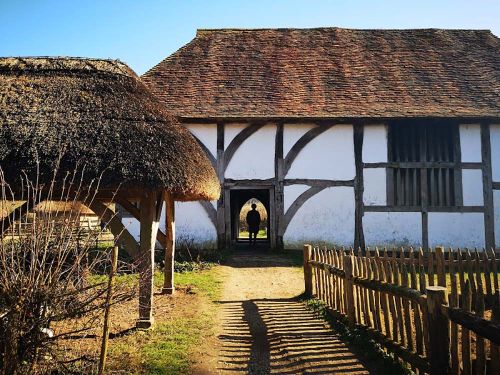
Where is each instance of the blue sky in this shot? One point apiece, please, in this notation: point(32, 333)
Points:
point(143, 32)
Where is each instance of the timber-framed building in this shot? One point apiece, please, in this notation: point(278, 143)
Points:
point(350, 137)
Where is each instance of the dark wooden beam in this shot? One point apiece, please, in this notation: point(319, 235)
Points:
point(238, 140)
point(316, 182)
point(300, 144)
point(221, 243)
point(210, 157)
point(359, 237)
point(301, 199)
point(496, 185)
point(399, 165)
point(135, 212)
point(169, 246)
point(457, 172)
point(211, 211)
point(279, 174)
point(228, 182)
point(419, 209)
point(489, 218)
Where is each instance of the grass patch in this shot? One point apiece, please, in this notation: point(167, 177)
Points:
point(386, 363)
point(168, 348)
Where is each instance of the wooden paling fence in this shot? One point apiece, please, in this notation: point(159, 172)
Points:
point(438, 310)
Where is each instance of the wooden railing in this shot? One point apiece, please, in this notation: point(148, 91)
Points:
point(400, 299)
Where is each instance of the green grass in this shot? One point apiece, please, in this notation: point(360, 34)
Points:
point(244, 234)
point(167, 348)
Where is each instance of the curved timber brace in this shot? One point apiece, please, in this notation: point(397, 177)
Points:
point(237, 141)
point(294, 207)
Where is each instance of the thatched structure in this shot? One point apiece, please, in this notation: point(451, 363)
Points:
point(70, 112)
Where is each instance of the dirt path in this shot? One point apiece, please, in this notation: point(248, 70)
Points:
point(264, 330)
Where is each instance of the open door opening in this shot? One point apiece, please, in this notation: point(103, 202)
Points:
point(241, 203)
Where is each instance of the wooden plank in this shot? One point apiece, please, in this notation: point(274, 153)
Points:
point(439, 347)
point(301, 143)
point(495, 349)
point(480, 348)
point(399, 305)
point(440, 266)
point(392, 303)
point(466, 353)
point(383, 296)
point(406, 310)
point(423, 164)
point(308, 272)
point(349, 289)
point(417, 320)
point(496, 185)
point(377, 312)
point(455, 362)
point(487, 274)
point(463, 209)
point(430, 267)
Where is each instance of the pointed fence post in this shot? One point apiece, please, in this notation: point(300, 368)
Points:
point(308, 274)
point(349, 289)
point(168, 284)
point(439, 330)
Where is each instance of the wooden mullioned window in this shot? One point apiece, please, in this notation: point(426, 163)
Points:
point(423, 164)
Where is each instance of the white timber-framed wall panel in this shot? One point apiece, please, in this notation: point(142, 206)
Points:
point(375, 192)
point(496, 205)
point(495, 151)
point(293, 132)
point(206, 134)
point(374, 143)
point(472, 186)
point(327, 218)
point(329, 156)
point(456, 229)
point(254, 159)
point(193, 224)
point(292, 192)
point(392, 229)
point(470, 142)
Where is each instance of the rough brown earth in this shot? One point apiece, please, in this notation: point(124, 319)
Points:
point(264, 329)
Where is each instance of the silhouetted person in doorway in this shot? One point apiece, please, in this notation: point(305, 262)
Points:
point(253, 221)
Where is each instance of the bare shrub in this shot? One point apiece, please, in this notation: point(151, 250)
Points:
point(50, 290)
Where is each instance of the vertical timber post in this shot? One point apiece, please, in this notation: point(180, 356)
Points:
point(489, 215)
point(439, 330)
point(221, 240)
point(359, 238)
point(150, 210)
point(349, 289)
point(168, 284)
point(308, 275)
point(279, 165)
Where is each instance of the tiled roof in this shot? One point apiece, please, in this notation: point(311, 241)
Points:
point(332, 72)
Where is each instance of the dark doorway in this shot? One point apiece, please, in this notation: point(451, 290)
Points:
point(240, 200)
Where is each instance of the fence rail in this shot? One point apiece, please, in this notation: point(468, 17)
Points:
point(436, 310)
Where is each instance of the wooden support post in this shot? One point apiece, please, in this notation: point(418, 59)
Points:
point(489, 215)
point(359, 237)
point(168, 283)
point(221, 224)
point(439, 330)
point(349, 289)
point(308, 273)
point(279, 176)
point(440, 266)
point(150, 209)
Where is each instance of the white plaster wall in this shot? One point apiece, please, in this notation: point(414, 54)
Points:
point(456, 229)
point(192, 222)
point(207, 134)
point(291, 193)
point(470, 142)
point(496, 205)
point(472, 185)
point(375, 193)
point(292, 133)
point(375, 144)
point(328, 156)
point(326, 218)
point(392, 229)
point(254, 159)
point(495, 151)
point(231, 130)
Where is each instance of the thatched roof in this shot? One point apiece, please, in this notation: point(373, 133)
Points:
point(331, 72)
point(102, 115)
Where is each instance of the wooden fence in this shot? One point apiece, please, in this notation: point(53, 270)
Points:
point(438, 311)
